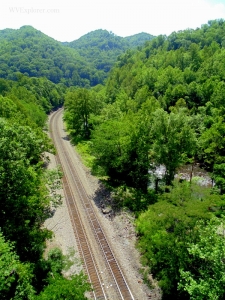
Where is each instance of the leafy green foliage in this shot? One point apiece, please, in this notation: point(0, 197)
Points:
point(101, 48)
point(219, 176)
point(59, 287)
point(163, 105)
point(173, 140)
point(204, 278)
point(21, 186)
point(79, 105)
point(167, 228)
point(29, 99)
point(212, 140)
point(134, 199)
point(84, 62)
point(28, 193)
point(160, 108)
point(34, 54)
point(73, 288)
point(139, 39)
point(120, 148)
point(15, 277)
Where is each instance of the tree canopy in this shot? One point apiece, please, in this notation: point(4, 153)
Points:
point(162, 107)
point(83, 63)
point(29, 193)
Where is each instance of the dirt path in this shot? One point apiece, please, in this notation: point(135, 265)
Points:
point(119, 230)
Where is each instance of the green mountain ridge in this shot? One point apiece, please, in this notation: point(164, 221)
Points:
point(139, 39)
point(102, 48)
point(108, 40)
point(34, 54)
point(84, 62)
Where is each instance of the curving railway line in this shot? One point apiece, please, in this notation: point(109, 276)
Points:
point(93, 246)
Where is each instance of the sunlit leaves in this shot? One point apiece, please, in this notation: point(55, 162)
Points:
point(24, 197)
point(79, 104)
point(73, 288)
point(168, 226)
point(205, 278)
point(15, 277)
point(173, 140)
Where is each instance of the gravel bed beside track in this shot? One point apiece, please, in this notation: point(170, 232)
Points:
point(118, 227)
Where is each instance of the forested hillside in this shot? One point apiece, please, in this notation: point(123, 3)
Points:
point(79, 63)
point(34, 54)
point(163, 106)
point(138, 39)
point(102, 48)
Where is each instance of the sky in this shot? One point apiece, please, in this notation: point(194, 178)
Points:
point(67, 20)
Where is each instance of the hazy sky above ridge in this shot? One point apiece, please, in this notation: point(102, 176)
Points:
point(67, 20)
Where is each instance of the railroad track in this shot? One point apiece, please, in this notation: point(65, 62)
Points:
point(70, 180)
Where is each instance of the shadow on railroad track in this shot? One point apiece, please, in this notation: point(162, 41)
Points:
point(104, 201)
point(66, 138)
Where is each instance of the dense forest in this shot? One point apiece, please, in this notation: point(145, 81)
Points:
point(84, 62)
point(35, 73)
point(102, 48)
point(133, 107)
point(29, 195)
point(162, 106)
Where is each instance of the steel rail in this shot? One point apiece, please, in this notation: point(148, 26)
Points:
point(85, 252)
point(113, 266)
point(120, 282)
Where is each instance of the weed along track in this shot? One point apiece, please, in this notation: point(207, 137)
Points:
point(99, 262)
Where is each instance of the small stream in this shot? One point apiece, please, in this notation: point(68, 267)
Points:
point(199, 175)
